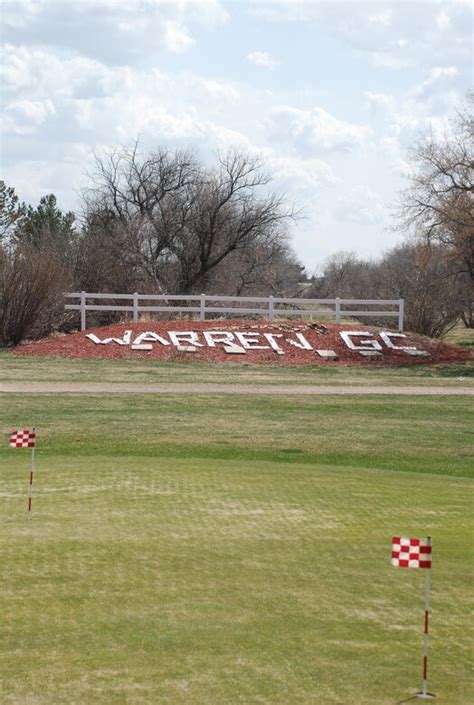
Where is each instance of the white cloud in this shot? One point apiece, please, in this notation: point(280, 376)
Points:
point(96, 73)
point(310, 175)
point(69, 105)
point(360, 205)
point(311, 132)
point(37, 73)
point(439, 80)
point(25, 115)
point(114, 31)
point(443, 20)
point(17, 15)
point(33, 178)
point(262, 58)
point(393, 33)
point(177, 39)
point(401, 121)
point(380, 103)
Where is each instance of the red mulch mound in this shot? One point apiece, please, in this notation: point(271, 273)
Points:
point(319, 336)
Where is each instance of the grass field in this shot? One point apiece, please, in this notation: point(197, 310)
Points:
point(460, 335)
point(16, 368)
point(207, 549)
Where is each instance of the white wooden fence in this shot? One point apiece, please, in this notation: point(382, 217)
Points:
point(270, 307)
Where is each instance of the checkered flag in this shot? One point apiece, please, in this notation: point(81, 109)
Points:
point(23, 439)
point(411, 553)
point(416, 553)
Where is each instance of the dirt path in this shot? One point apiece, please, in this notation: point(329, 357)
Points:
point(99, 388)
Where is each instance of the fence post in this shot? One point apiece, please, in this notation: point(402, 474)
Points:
point(338, 310)
point(83, 310)
point(135, 307)
point(270, 308)
point(202, 309)
point(401, 312)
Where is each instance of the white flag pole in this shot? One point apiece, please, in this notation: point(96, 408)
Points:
point(424, 693)
point(30, 494)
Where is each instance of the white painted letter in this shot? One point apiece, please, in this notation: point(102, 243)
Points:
point(302, 344)
point(218, 336)
point(271, 339)
point(150, 337)
point(246, 341)
point(185, 338)
point(94, 338)
point(125, 340)
point(366, 344)
point(387, 339)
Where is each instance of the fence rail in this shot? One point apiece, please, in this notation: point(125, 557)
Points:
point(269, 306)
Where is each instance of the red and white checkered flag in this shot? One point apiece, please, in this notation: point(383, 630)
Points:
point(411, 553)
point(23, 439)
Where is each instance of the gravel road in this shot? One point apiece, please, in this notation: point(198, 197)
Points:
point(98, 388)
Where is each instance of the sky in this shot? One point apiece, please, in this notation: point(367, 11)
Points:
point(331, 95)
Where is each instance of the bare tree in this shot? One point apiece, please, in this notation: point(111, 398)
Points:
point(259, 271)
point(138, 207)
point(231, 213)
point(36, 252)
point(422, 275)
point(438, 205)
point(174, 222)
point(32, 283)
point(344, 274)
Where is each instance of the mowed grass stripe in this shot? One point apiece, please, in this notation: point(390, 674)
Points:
point(413, 434)
point(162, 580)
point(210, 549)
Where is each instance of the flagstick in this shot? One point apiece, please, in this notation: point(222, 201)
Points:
point(424, 693)
point(30, 496)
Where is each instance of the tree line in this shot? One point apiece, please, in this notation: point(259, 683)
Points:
point(163, 222)
point(156, 223)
